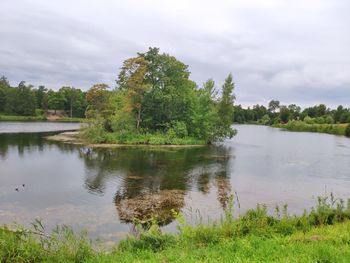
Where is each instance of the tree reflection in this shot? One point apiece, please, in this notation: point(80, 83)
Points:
point(151, 182)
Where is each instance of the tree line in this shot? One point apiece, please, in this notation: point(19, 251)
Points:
point(26, 100)
point(275, 113)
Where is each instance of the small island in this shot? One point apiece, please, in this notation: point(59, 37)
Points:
point(156, 103)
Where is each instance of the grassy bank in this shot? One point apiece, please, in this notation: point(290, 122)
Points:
point(322, 235)
point(38, 118)
point(21, 118)
point(300, 126)
point(96, 134)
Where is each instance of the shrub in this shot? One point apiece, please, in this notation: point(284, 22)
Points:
point(347, 130)
point(95, 132)
point(180, 129)
point(123, 123)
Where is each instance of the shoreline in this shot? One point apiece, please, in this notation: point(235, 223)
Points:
point(72, 138)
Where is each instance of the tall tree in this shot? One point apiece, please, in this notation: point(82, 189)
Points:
point(97, 98)
point(132, 80)
point(226, 108)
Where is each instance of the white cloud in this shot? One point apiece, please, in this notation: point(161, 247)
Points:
point(274, 48)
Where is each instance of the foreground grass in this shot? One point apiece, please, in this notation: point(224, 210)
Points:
point(323, 235)
point(337, 129)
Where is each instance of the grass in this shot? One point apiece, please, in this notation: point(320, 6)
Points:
point(21, 118)
point(322, 235)
point(96, 134)
point(300, 126)
point(38, 118)
point(151, 139)
point(73, 119)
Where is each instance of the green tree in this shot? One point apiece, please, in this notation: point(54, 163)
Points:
point(132, 80)
point(98, 101)
point(56, 100)
point(226, 109)
point(4, 86)
point(273, 106)
point(41, 97)
point(25, 100)
point(284, 114)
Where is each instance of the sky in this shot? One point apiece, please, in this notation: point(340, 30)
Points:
point(295, 51)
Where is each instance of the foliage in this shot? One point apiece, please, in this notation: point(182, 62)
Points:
point(156, 102)
point(25, 100)
point(347, 130)
point(302, 126)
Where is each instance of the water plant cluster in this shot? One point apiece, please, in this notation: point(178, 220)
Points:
point(320, 235)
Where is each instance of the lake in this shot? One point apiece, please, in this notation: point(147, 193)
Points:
point(102, 190)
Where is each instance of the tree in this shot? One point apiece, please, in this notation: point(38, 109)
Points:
point(41, 97)
point(97, 99)
point(24, 100)
point(74, 102)
point(56, 100)
point(226, 109)
point(4, 86)
point(273, 106)
point(132, 80)
point(171, 95)
point(284, 114)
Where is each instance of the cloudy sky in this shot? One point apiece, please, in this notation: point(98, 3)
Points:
point(291, 50)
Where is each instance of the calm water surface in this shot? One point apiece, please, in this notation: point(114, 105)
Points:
point(100, 189)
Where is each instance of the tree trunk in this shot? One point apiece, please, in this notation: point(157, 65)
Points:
point(138, 119)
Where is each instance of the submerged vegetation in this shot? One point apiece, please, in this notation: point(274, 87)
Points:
point(321, 235)
point(155, 102)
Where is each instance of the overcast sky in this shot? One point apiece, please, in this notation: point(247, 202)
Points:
point(296, 51)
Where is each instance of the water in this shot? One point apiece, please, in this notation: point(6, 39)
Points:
point(101, 190)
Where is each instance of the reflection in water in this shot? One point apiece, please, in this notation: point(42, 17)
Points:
point(28, 143)
point(102, 189)
point(154, 181)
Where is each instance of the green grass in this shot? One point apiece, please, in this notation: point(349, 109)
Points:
point(151, 139)
point(73, 119)
point(300, 126)
point(96, 134)
point(322, 235)
point(21, 118)
point(38, 118)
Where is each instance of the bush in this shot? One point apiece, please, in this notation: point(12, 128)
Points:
point(180, 129)
point(95, 132)
point(123, 123)
point(39, 112)
point(347, 131)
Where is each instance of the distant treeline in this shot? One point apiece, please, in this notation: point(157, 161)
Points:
point(26, 100)
point(275, 113)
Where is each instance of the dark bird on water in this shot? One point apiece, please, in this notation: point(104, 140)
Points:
point(23, 185)
point(16, 189)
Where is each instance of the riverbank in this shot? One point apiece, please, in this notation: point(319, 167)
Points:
point(39, 118)
point(322, 235)
point(77, 138)
point(300, 126)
